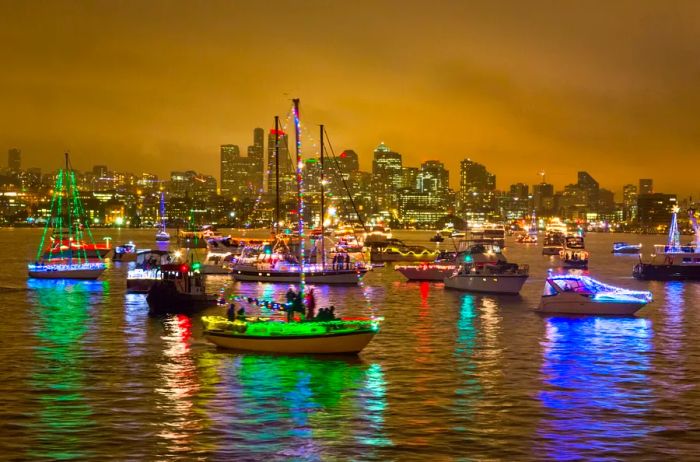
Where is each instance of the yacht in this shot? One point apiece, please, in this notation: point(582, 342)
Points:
point(489, 233)
point(574, 294)
point(443, 266)
point(574, 254)
point(180, 289)
point(485, 269)
point(146, 269)
point(672, 261)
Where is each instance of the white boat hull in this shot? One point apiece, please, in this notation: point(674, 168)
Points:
point(346, 343)
point(495, 284)
point(67, 274)
point(325, 277)
point(426, 273)
point(573, 303)
point(213, 269)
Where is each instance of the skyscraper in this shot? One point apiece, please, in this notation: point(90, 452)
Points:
point(387, 174)
point(590, 191)
point(434, 178)
point(477, 188)
point(646, 186)
point(256, 157)
point(14, 159)
point(348, 161)
point(629, 201)
point(229, 155)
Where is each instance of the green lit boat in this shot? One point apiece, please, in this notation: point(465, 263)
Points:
point(340, 336)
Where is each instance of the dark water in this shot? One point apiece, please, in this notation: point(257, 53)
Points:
point(86, 374)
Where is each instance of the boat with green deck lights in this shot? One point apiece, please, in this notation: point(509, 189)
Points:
point(340, 336)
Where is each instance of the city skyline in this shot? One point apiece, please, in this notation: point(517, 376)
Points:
point(149, 87)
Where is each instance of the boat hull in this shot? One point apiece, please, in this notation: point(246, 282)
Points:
point(386, 257)
point(322, 277)
point(139, 286)
point(214, 269)
point(566, 303)
point(547, 250)
point(345, 343)
point(425, 272)
point(494, 284)
point(87, 274)
point(164, 298)
point(581, 264)
point(652, 272)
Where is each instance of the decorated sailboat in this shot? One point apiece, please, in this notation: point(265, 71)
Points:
point(316, 335)
point(67, 255)
point(279, 262)
point(162, 235)
point(673, 261)
point(531, 236)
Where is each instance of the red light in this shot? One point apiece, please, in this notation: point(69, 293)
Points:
point(277, 132)
point(343, 155)
point(183, 269)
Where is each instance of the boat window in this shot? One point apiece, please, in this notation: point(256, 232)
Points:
point(548, 289)
point(687, 259)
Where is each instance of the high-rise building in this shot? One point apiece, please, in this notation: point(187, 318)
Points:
point(99, 171)
point(629, 201)
point(590, 191)
point(230, 154)
point(256, 155)
point(519, 190)
point(477, 187)
point(646, 186)
point(434, 178)
point(543, 198)
point(348, 161)
point(410, 177)
point(14, 159)
point(387, 174)
point(655, 209)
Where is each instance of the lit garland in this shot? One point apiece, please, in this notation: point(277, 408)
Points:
point(300, 195)
point(674, 238)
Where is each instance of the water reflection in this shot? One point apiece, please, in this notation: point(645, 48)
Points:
point(179, 385)
point(61, 316)
point(300, 407)
point(596, 386)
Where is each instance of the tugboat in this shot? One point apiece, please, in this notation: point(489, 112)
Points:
point(574, 254)
point(181, 289)
point(673, 261)
point(485, 269)
point(584, 295)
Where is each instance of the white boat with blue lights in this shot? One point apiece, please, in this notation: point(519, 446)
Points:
point(162, 235)
point(573, 294)
point(626, 248)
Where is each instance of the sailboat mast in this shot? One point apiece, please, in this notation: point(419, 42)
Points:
point(323, 209)
point(277, 174)
point(300, 194)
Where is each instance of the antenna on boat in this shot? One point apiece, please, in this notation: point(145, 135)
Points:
point(323, 240)
point(300, 194)
point(277, 175)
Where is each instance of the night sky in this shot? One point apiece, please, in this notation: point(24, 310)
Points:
point(608, 87)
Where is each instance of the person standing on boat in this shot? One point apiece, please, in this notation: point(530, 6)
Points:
point(310, 305)
point(289, 306)
point(347, 261)
point(231, 312)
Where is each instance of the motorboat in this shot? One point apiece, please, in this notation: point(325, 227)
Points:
point(555, 233)
point(672, 261)
point(485, 269)
point(378, 234)
point(437, 270)
point(181, 289)
point(529, 237)
point(574, 254)
point(488, 233)
point(125, 252)
point(624, 247)
point(575, 294)
point(146, 269)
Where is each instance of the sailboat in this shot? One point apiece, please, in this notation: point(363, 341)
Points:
point(66, 256)
point(162, 235)
point(531, 236)
point(320, 335)
point(279, 263)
